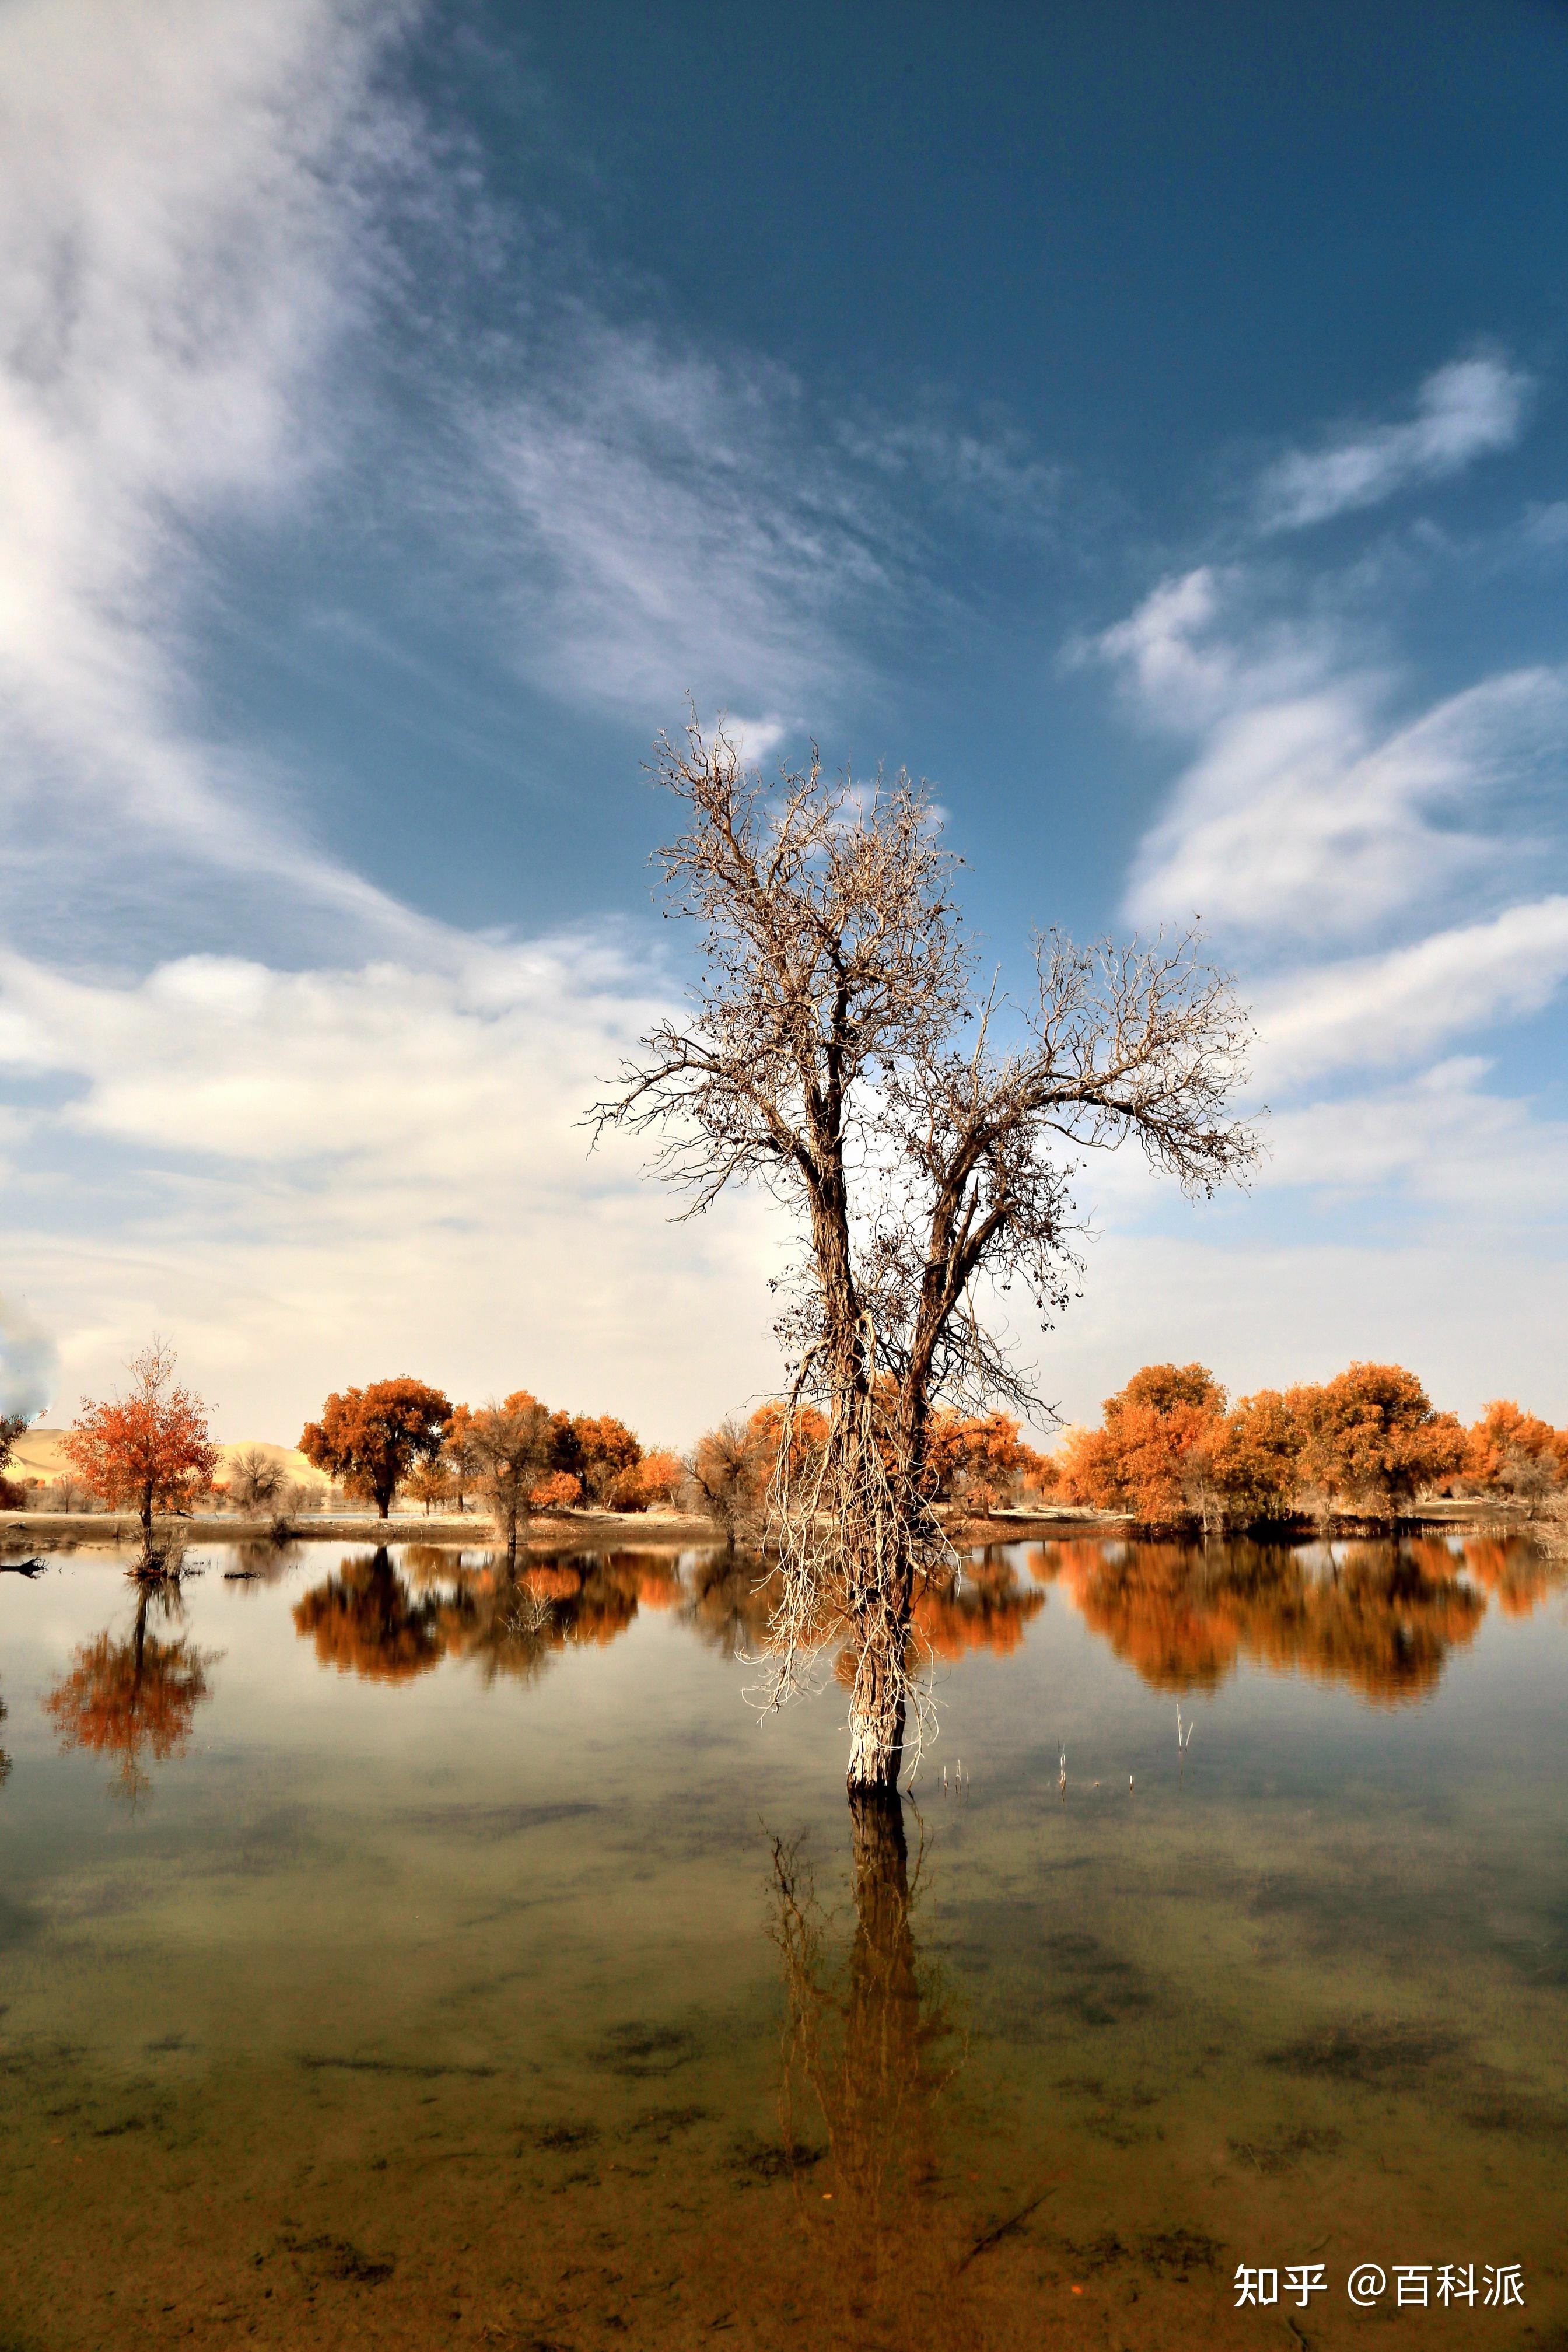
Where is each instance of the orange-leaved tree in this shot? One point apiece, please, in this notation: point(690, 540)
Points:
point(510, 1447)
point(660, 1476)
point(431, 1483)
point(1512, 1452)
point(599, 1449)
point(1254, 1460)
point(1152, 1457)
point(560, 1491)
point(1370, 1436)
point(149, 1448)
point(368, 1439)
point(981, 1459)
point(657, 1478)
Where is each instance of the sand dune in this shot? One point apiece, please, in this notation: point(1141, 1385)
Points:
point(39, 1454)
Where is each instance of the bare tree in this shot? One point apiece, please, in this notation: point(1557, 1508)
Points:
point(727, 1476)
point(508, 1449)
point(838, 1052)
point(255, 1480)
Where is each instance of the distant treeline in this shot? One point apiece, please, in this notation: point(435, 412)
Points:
point(1170, 1449)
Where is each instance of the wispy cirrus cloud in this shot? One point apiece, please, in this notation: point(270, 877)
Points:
point(1310, 807)
point(667, 524)
point(187, 203)
point(1469, 408)
point(670, 520)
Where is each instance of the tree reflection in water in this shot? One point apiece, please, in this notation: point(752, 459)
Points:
point(364, 1622)
point(865, 2056)
point(984, 1608)
point(389, 1623)
point(729, 1599)
point(1380, 1617)
point(135, 1697)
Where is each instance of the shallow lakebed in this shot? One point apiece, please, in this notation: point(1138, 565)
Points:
point(392, 1954)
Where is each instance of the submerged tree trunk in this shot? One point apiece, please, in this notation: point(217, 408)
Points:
point(883, 1961)
point(877, 1715)
point(879, 2123)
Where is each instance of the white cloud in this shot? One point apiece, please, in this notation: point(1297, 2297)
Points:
point(1468, 409)
point(667, 520)
point(183, 210)
point(329, 1175)
point(673, 528)
point(1308, 809)
point(1440, 1138)
point(1381, 1010)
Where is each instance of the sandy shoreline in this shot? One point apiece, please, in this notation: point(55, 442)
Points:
point(641, 1531)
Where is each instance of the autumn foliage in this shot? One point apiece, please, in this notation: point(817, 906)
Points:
point(368, 1439)
point(1383, 1618)
point(1512, 1453)
point(150, 1449)
point(1367, 1442)
point(980, 1460)
point(134, 1698)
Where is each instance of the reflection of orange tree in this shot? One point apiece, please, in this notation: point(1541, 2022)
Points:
point(1519, 1574)
point(133, 1697)
point(985, 1610)
point(365, 1621)
point(862, 2059)
point(372, 1620)
point(1381, 1617)
point(728, 1601)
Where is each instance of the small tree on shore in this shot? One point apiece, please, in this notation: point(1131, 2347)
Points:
point(836, 1051)
point(430, 1483)
point(255, 1480)
point(727, 1475)
point(150, 1449)
point(1372, 1438)
point(510, 1446)
point(368, 1439)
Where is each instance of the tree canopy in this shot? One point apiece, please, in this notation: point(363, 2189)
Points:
point(149, 1448)
point(368, 1439)
point(838, 1050)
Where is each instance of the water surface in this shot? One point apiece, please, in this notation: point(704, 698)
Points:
point(392, 1955)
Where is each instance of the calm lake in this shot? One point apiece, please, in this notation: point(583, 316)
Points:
point(392, 1955)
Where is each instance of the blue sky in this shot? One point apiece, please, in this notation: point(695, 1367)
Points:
point(1146, 422)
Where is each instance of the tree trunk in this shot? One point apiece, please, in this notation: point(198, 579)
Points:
point(884, 1946)
point(147, 1513)
point(880, 2118)
point(876, 1726)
